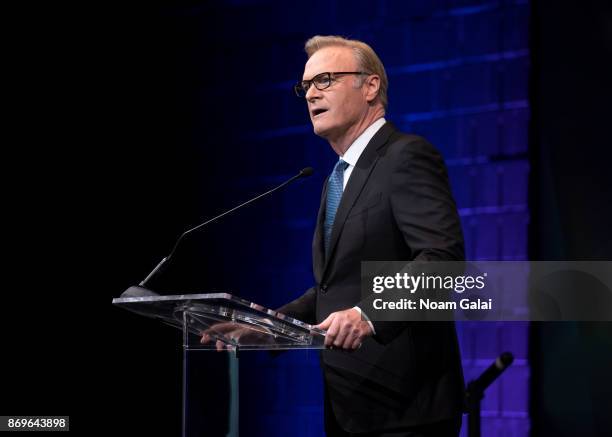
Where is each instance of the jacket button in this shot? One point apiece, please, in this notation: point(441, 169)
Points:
point(323, 288)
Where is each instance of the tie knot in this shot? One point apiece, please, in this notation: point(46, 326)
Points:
point(341, 165)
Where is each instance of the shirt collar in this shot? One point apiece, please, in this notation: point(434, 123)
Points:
point(351, 156)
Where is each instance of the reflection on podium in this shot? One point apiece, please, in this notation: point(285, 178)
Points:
point(216, 327)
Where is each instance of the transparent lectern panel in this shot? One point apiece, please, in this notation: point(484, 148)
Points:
point(220, 320)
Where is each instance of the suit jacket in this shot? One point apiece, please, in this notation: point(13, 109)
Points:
point(397, 205)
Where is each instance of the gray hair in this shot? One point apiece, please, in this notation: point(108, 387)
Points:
point(367, 59)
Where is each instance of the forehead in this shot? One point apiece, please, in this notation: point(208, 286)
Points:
point(330, 59)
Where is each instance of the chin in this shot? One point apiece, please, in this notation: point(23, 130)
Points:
point(319, 129)
point(322, 129)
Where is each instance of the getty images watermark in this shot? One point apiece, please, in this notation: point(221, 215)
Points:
point(487, 290)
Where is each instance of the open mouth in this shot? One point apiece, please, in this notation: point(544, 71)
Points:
point(318, 111)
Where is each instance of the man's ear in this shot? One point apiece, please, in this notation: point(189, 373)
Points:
point(372, 87)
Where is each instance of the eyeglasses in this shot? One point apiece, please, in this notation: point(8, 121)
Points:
point(321, 81)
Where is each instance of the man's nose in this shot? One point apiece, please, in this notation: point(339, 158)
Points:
point(312, 93)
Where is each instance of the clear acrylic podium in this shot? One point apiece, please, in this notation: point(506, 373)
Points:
point(227, 323)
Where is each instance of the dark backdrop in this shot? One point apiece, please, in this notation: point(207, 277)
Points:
point(130, 123)
point(571, 192)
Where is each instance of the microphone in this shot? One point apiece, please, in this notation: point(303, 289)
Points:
point(475, 391)
point(500, 364)
point(305, 172)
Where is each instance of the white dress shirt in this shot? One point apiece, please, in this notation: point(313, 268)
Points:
point(352, 154)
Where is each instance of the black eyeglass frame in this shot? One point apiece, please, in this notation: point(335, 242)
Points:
point(302, 87)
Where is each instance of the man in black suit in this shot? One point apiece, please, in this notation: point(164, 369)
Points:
point(388, 198)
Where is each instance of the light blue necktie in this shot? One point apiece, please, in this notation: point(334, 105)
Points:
point(334, 194)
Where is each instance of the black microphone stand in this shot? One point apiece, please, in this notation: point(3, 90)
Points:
point(476, 388)
point(142, 291)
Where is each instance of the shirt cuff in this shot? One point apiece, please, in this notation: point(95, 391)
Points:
point(366, 318)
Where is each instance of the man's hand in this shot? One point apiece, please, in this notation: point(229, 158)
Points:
point(228, 330)
point(345, 329)
point(237, 333)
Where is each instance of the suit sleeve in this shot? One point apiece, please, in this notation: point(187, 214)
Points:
point(425, 212)
point(423, 206)
point(303, 308)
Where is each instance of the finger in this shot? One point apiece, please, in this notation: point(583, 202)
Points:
point(325, 324)
point(205, 338)
point(350, 339)
point(346, 329)
point(356, 343)
point(220, 345)
point(332, 332)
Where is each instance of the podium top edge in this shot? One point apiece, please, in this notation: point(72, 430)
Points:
point(173, 297)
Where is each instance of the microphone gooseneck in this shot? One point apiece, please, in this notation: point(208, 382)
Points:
point(305, 172)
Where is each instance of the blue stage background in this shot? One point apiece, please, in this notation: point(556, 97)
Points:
point(225, 125)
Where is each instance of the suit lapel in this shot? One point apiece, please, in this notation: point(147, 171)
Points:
point(358, 179)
